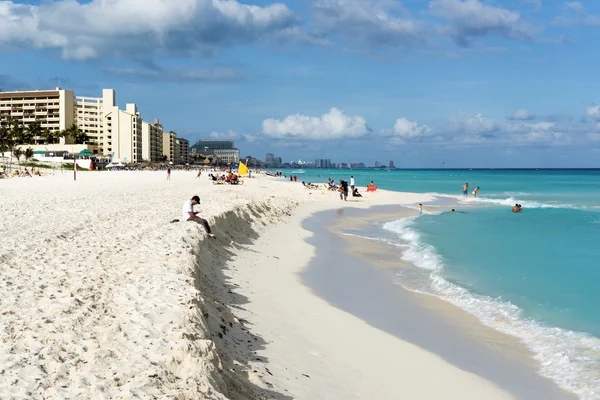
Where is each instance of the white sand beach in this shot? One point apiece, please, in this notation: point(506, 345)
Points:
point(102, 297)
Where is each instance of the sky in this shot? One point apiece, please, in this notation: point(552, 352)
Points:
point(426, 83)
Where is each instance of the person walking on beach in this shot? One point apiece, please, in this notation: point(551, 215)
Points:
point(169, 174)
point(352, 183)
point(420, 209)
point(465, 190)
point(475, 191)
point(189, 214)
point(343, 190)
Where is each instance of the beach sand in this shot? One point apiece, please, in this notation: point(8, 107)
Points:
point(102, 297)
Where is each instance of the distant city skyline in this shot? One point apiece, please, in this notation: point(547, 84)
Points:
point(432, 83)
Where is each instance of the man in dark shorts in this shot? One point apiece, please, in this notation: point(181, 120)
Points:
point(343, 190)
point(189, 214)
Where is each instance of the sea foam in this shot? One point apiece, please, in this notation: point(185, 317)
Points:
point(571, 359)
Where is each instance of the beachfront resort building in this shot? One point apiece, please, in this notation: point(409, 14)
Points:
point(224, 151)
point(182, 151)
point(52, 109)
point(169, 146)
point(152, 141)
point(89, 115)
point(109, 129)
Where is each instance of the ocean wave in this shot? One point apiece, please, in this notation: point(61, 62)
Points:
point(571, 359)
point(510, 201)
point(376, 239)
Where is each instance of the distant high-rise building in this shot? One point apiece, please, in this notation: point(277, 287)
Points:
point(277, 162)
point(377, 164)
point(322, 163)
point(392, 164)
point(270, 159)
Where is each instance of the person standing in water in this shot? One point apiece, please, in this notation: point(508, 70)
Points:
point(465, 190)
point(475, 191)
point(420, 209)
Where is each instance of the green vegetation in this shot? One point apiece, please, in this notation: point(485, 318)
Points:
point(70, 166)
point(13, 133)
point(38, 165)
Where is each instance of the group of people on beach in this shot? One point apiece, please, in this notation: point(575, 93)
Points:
point(4, 174)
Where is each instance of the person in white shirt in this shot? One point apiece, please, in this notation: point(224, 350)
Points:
point(352, 183)
point(189, 214)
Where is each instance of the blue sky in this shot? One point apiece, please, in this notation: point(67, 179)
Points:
point(473, 83)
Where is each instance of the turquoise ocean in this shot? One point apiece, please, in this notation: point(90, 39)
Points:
point(534, 275)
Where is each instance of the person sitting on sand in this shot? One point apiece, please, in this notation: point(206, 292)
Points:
point(371, 187)
point(516, 208)
point(355, 193)
point(189, 214)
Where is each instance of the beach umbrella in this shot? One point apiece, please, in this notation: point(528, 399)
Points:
point(85, 152)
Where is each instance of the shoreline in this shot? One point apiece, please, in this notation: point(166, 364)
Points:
point(411, 316)
point(320, 336)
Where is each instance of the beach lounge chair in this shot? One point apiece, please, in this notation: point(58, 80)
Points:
point(310, 185)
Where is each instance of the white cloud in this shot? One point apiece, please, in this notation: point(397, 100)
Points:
point(472, 18)
point(594, 136)
point(367, 22)
point(521, 115)
point(140, 28)
point(473, 123)
point(231, 135)
point(594, 112)
point(575, 6)
point(179, 74)
point(333, 125)
point(409, 129)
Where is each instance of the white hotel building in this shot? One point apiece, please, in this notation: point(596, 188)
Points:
point(52, 109)
point(152, 141)
point(110, 129)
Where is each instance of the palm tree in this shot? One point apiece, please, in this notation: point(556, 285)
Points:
point(28, 153)
point(5, 140)
point(74, 132)
point(17, 152)
point(47, 136)
point(33, 132)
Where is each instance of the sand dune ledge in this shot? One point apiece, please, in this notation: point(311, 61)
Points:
point(102, 297)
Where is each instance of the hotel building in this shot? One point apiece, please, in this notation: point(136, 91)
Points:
point(109, 129)
point(170, 145)
point(183, 151)
point(152, 141)
point(52, 109)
